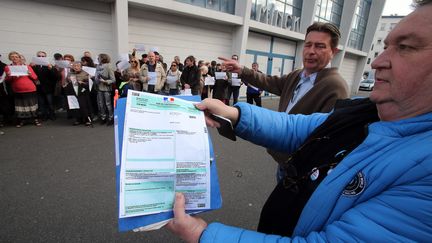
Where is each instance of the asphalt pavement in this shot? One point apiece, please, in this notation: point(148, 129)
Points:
point(57, 184)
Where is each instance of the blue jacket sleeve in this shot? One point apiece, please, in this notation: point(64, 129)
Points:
point(275, 130)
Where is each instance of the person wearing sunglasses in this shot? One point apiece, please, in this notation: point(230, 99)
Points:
point(173, 79)
point(132, 75)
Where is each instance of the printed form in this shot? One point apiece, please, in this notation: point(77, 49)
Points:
point(165, 150)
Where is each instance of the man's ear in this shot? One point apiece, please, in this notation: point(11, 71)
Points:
point(335, 50)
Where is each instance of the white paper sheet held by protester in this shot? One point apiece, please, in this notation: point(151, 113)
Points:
point(209, 81)
point(165, 150)
point(43, 61)
point(123, 65)
point(152, 76)
point(171, 79)
point(90, 70)
point(235, 82)
point(220, 75)
point(187, 92)
point(18, 70)
point(140, 47)
point(234, 75)
point(72, 102)
point(63, 64)
point(90, 81)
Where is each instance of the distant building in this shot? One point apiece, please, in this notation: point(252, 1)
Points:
point(265, 31)
point(385, 25)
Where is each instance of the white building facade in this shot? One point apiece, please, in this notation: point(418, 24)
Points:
point(385, 25)
point(270, 32)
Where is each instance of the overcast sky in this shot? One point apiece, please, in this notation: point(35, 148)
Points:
point(399, 7)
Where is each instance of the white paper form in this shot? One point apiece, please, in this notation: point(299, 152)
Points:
point(153, 77)
point(171, 79)
point(18, 70)
point(220, 75)
point(209, 81)
point(165, 150)
point(90, 70)
point(235, 82)
point(43, 61)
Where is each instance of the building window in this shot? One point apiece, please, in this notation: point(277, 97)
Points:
point(358, 27)
point(383, 26)
point(329, 11)
point(379, 41)
point(226, 6)
point(376, 54)
point(372, 47)
point(281, 13)
point(368, 61)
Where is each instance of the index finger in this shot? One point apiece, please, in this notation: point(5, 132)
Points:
point(224, 59)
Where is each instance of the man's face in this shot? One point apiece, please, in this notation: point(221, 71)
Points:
point(317, 51)
point(403, 86)
point(255, 67)
point(189, 63)
point(76, 67)
point(151, 57)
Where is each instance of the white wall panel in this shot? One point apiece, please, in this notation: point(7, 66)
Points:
point(178, 35)
point(348, 69)
point(55, 26)
point(284, 47)
point(258, 42)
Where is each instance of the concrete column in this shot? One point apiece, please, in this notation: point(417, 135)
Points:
point(347, 19)
point(120, 21)
point(241, 33)
point(307, 18)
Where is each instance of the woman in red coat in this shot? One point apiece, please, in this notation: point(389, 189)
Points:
point(24, 88)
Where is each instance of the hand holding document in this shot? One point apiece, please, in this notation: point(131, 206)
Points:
point(18, 70)
point(165, 150)
point(152, 76)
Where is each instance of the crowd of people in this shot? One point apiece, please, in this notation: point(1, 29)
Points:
point(33, 92)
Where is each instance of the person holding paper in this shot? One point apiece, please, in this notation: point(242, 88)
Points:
point(253, 93)
point(190, 78)
point(47, 76)
point(234, 85)
point(78, 95)
point(220, 88)
point(132, 75)
point(104, 78)
point(173, 79)
point(152, 75)
point(204, 88)
point(24, 88)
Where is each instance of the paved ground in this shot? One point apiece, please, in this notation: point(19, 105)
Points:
point(57, 184)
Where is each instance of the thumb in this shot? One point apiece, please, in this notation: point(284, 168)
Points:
point(179, 206)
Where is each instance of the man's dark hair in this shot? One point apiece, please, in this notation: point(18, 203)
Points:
point(213, 63)
point(419, 3)
point(156, 53)
point(328, 28)
point(144, 55)
point(58, 56)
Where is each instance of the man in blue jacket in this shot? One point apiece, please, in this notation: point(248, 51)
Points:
point(377, 190)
